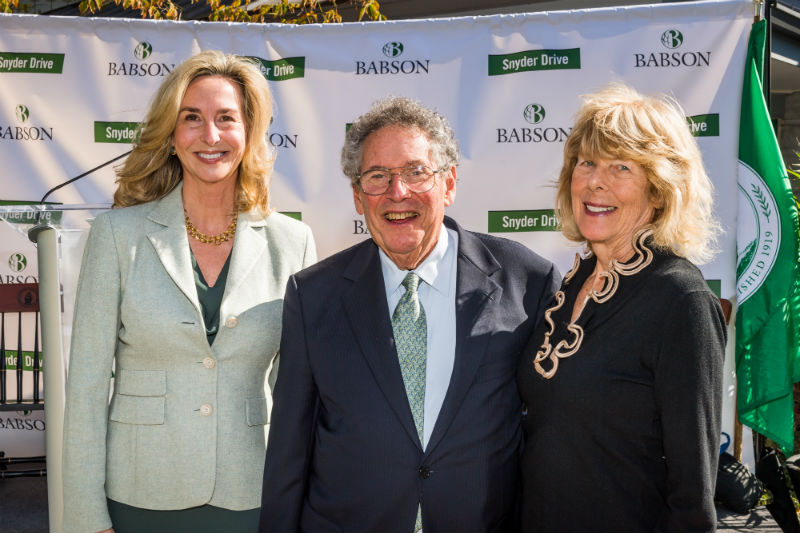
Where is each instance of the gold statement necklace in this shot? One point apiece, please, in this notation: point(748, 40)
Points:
point(563, 349)
point(217, 239)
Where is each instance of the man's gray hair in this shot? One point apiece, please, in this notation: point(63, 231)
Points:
point(399, 111)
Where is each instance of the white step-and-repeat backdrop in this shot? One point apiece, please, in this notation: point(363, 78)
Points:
point(72, 91)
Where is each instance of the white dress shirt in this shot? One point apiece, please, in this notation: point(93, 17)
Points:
point(438, 298)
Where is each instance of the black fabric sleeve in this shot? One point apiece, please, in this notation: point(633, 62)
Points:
point(688, 388)
point(291, 432)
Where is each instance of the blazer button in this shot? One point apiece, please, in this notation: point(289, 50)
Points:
point(209, 362)
point(206, 409)
point(425, 472)
point(232, 322)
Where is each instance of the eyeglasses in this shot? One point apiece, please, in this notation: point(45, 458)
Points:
point(417, 178)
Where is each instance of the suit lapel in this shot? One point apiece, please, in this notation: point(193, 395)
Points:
point(171, 243)
point(367, 311)
point(477, 300)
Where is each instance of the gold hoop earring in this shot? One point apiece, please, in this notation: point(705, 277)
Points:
point(172, 150)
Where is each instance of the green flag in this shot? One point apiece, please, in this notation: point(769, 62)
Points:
point(768, 316)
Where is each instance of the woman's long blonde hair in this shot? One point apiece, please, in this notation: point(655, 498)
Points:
point(150, 172)
point(620, 123)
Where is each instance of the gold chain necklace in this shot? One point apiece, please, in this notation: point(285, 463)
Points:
point(210, 239)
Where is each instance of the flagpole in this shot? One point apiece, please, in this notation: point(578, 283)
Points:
point(767, 82)
point(758, 438)
point(758, 442)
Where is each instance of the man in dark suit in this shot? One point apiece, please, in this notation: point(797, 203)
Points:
point(396, 407)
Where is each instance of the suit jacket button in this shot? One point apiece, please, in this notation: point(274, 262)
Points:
point(206, 409)
point(209, 362)
point(232, 322)
point(424, 472)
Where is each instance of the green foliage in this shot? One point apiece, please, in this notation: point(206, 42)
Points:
point(794, 178)
point(794, 175)
point(307, 12)
point(151, 9)
point(285, 11)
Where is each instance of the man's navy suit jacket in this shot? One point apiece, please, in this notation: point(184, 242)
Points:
point(343, 451)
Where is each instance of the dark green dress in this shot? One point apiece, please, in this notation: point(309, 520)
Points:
point(206, 518)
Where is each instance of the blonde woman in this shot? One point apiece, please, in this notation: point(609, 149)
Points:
point(180, 294)
point(622, 379)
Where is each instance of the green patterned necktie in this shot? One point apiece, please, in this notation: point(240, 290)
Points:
point(411, 340)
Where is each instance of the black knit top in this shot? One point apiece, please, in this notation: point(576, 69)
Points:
point(625, 434)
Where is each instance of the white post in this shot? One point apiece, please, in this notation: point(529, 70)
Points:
point(46, 239)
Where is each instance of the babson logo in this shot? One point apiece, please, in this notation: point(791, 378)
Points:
point(281, 69)
point(704, 125)
point(141, 52)
point(522, 221)
point(17, 262)
point(672, 40)
point(116, 132)
point(24, 131)
point(569, 58)
point(392, 49)
point(393, 64)
point(22, 113)
point(31, 63)
point(533, 114)
point(758, 236)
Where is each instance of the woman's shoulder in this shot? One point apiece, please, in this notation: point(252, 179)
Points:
point(278, 225)
point(673, 287)
point(282, 231)
point(284, 223)
point(130, 216)
point(676, 275)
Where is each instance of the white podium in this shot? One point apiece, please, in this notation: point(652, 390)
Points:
point(57, 234)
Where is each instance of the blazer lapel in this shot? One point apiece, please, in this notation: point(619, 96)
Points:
point(172, 244)
point(477, 297)
point(249, 246)
point(367, 311)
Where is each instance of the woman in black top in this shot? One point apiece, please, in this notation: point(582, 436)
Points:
point(622, 380)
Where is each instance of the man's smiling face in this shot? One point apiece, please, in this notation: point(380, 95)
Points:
point(404, 224)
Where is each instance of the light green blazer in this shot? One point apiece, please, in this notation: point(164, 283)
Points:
point(185, 425)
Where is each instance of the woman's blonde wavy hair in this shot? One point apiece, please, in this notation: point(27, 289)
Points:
point(150, 172)
point(618, 122)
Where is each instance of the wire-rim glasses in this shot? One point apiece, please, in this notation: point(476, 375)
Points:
point(417, 179)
